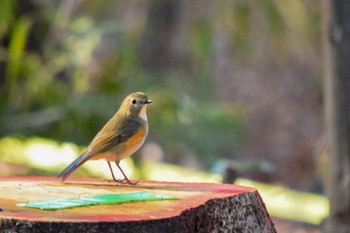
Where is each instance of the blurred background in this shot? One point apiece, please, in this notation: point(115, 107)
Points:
point(236, 88)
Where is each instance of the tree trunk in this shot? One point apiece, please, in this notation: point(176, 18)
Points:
point(198, 207)
point(337, 89)
point(162, 44)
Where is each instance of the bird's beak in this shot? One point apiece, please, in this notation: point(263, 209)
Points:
point(148, 101)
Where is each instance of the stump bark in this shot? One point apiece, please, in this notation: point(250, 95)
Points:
point(199, 207)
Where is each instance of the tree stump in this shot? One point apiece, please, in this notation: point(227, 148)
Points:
point(199, 207)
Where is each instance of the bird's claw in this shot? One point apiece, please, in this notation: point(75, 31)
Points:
point(121, 181)
point(125, 181)
point(109, 181)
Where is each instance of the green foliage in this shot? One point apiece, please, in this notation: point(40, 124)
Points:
point(273, 16)
point(196, 127)
point(201, 45)
point(66, 67)
point(242, 20)
point(16, 50)
point(47, 73)
point(7, 11)
point(246, 16)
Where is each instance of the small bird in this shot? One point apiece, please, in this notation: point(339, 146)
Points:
point(121, 136)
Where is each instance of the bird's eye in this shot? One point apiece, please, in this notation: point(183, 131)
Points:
point(133, 101)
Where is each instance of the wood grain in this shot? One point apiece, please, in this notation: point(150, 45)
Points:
point(199, 205)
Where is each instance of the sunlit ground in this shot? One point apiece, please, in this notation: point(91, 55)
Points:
point(37, 156)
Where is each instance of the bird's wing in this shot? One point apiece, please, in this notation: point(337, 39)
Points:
point(107, 139)
point(102, 142)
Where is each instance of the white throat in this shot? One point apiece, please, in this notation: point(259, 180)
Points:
point(143, 113)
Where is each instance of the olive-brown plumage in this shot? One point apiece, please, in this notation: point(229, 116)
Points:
point(119, 138)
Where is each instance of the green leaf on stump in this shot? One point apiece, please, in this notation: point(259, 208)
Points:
point(104, 199)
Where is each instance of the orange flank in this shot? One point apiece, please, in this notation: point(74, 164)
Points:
point(137, 138)
point(132, 144)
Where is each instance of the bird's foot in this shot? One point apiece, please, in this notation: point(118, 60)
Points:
point(110, 181)
point(126, 181)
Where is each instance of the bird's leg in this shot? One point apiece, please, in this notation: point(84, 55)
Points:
point(110, 168)
point(125, 178)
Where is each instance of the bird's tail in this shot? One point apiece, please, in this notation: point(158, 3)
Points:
point(72, 167)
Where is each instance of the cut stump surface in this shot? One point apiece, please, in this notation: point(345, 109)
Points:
point(199, 207)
